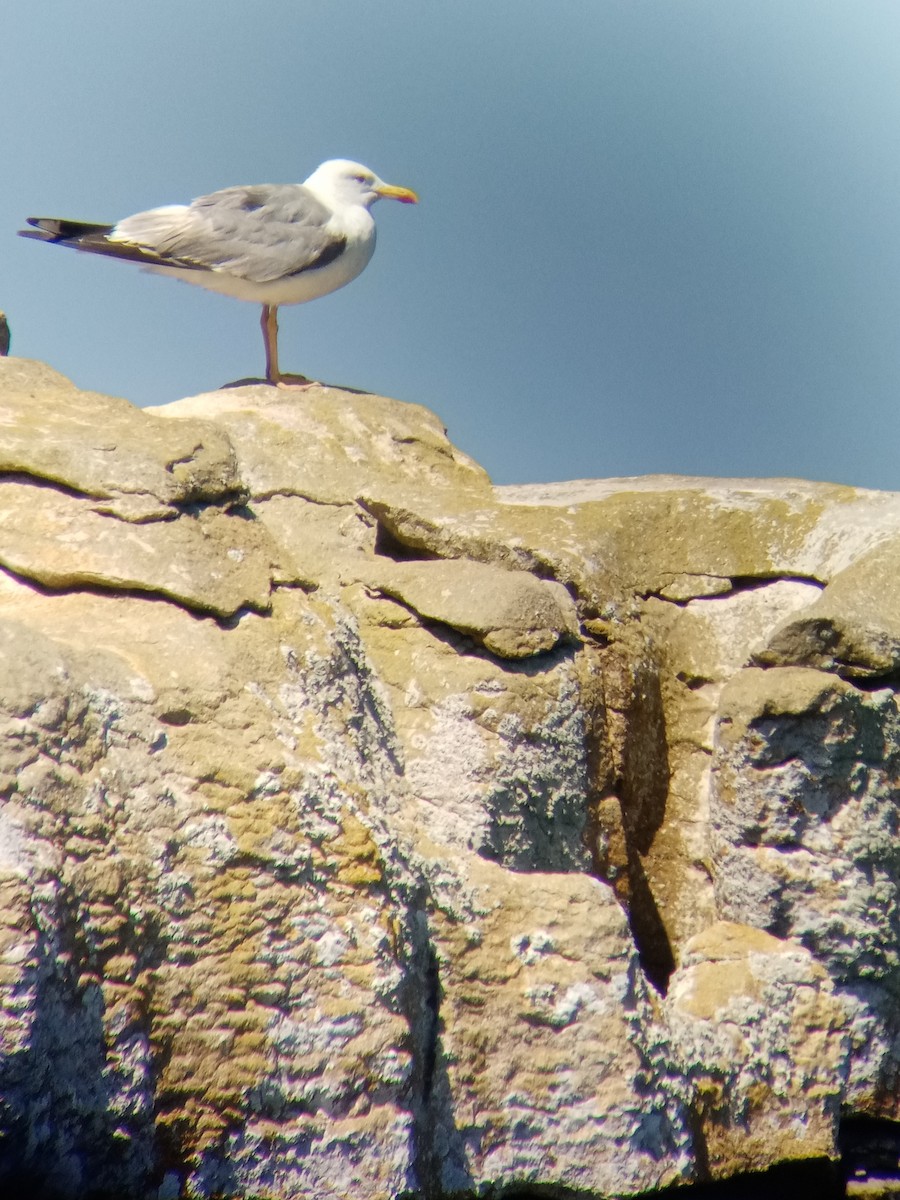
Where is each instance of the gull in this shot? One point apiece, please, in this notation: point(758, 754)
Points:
point(273, 244)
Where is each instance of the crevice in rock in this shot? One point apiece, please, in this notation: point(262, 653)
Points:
point(752, 583)
point(432, 1002)
point(296, 494)
point(224, 622)
point(54, 484)
point(644, 785)
point(616, 860)
point(154, 595)
point(647, 926)
point(423, 1004)
point(870, 1152)
point(306, 586)
point(815, 1178)
point(642, 792)
point(680, 601)
point(176, 716)
point(233, 503)
point(694, 682)
point(873, 683)
point(388, 545)
point(738, 584)
point(628, 770)
point(183, 459)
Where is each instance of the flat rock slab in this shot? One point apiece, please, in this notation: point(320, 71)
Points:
point(853, 628)
point(511, 613)
point(103, 446)
point(211, 562)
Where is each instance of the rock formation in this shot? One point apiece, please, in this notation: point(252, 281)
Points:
point(369, 831)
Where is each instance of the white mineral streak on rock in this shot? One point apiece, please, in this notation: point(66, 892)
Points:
point(448, 768)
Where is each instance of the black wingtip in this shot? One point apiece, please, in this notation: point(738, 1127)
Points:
point(46, 229)
point(59, 229)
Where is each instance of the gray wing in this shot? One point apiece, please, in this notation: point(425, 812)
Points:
point(260, 233)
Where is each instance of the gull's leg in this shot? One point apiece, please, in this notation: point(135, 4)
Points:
point(269, 324)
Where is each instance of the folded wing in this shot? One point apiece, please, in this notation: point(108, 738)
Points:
point(260, 233)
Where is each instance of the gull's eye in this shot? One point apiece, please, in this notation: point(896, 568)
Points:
point(362, 179)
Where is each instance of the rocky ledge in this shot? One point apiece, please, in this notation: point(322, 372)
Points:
point(369, 831)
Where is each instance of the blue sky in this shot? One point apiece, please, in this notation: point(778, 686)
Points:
point(654, 236)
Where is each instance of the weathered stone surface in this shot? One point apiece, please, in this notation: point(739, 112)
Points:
point(368, 831)
point(765, 1044)
point(543, 1001)
point(178, 877)
point(804, 819)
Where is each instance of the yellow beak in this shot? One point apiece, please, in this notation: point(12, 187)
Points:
point(404, 195)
